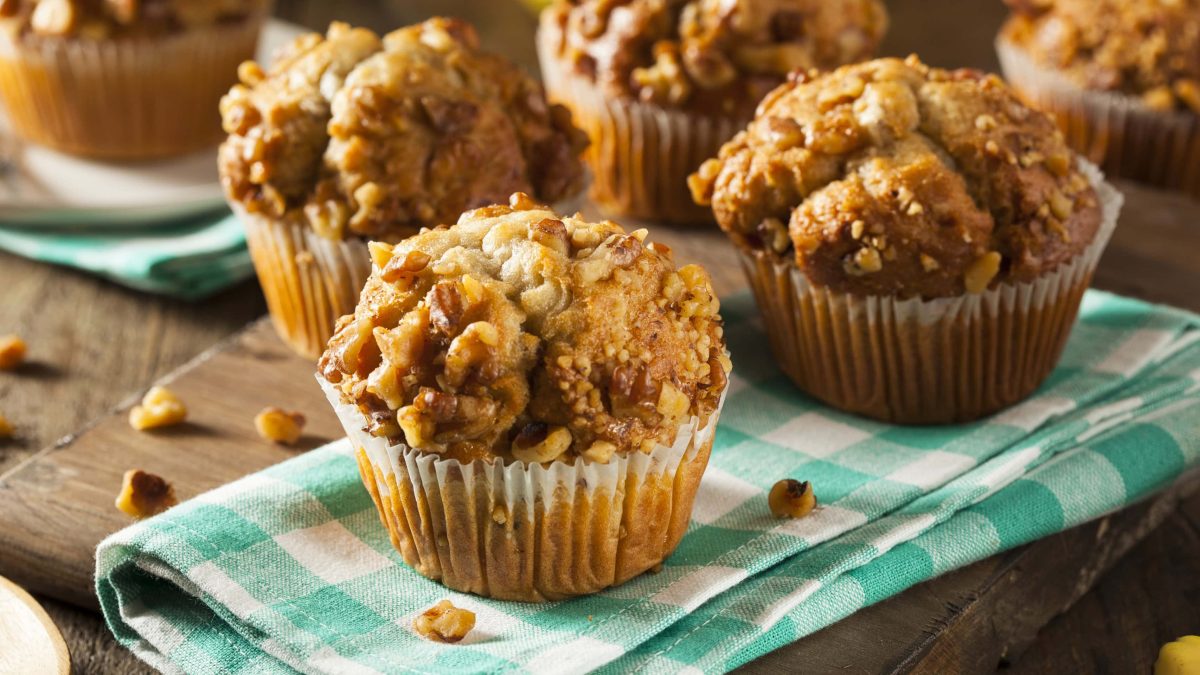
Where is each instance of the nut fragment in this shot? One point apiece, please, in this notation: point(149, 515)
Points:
point(12, 352)
point(600, 452)
point(159, 408)
point(444, 622)
point(145, 494)
point(278, 425)
point(791, 498)
point(981, 272)
point(532, 450)
point(6, 427)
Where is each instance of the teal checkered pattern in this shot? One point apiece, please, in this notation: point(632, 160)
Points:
point(189, 259)
point(289, 569)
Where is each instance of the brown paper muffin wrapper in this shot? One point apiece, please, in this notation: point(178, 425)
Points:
point(640, 154)
point(531, 532)
point(123, 98)
point(917, 361)
point(1118, 132)
point(309, 281)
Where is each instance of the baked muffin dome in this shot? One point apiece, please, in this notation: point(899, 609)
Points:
point(893, 178)
point(713, 55)
point(358, 135)
point(521, 334)
point(1144, 48)
point(100, 19)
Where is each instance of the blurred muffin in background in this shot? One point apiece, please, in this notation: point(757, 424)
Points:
point(352, 136)
point(917, 239)
point(659, 85)
point(123, 79)
point(1121, 78)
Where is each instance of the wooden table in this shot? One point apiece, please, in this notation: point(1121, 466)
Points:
point(73, 323)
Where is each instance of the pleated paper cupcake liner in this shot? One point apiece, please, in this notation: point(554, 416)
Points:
point(917, 361)
point(123, 98)
point(1126, 138)
point(640, 154)
point(309, 281)
point(532, 532)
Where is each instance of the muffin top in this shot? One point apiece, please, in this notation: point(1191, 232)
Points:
point(518, 333)
point(892, 178)
point(710, 55)
point(357, 135)
point(1144, 48)
point(101, 19)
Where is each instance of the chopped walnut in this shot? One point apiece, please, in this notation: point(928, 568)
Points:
point(791, 498)
point(981, 272)
point(12, 352)
point(444, 622)
point(279, 426)
point(144, 494)
point(159, 408)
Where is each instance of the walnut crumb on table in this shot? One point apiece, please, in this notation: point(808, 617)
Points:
point(791, 498)
point(12, 352)
point(444, 622)
point(279, 426)
point(160, 407)
point(144, 494)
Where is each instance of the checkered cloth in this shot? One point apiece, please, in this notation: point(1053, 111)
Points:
point(290, 569)
point(189, 259)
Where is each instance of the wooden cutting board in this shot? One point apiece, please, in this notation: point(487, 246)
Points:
point(58, 504)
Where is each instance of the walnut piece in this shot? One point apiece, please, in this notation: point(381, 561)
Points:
point(444, 622)
point(279, 426)
point(160, 407)
point(12, 352)
point(144, 494)
point(791, 498)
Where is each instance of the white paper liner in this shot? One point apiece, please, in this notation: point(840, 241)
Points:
point(1114, 130)
point(123, 98)
point(309, 281)
point(445, 528)
point(640, 154)
point(918, 361)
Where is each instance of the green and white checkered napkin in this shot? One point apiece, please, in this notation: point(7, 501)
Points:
point(189, 259)
point(289, 569)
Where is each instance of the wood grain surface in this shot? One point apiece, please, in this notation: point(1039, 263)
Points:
point(94, 345)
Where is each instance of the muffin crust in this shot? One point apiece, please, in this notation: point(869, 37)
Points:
point(103, 19)
point(712, 55)
point(357, 135)
point(521, 334)
point(892, 178)
point(1144, 48)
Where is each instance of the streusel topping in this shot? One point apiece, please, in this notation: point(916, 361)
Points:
point(358, 135)
point(894, 178)
point(1145, 48)
point(720, 55)
point(103, 19)
point(522, 334)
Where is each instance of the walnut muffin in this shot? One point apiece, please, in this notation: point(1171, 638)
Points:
point(901, 193)
point(1122, 77)
point(353, 136)
point(660, 85)
point(519, 346)
point(122, 79)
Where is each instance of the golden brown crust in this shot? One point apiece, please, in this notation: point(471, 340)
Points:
point(104, 19)
point(711, 55)
point(892, 178)
point(519, 333)
point(361, 136)
point(1144, 48)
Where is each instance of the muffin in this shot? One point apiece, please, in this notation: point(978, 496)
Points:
point(917, 239)
point(1121, 78)
point(118, 79)
point(659, 85)
point(532, 399)
point(353, 137)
